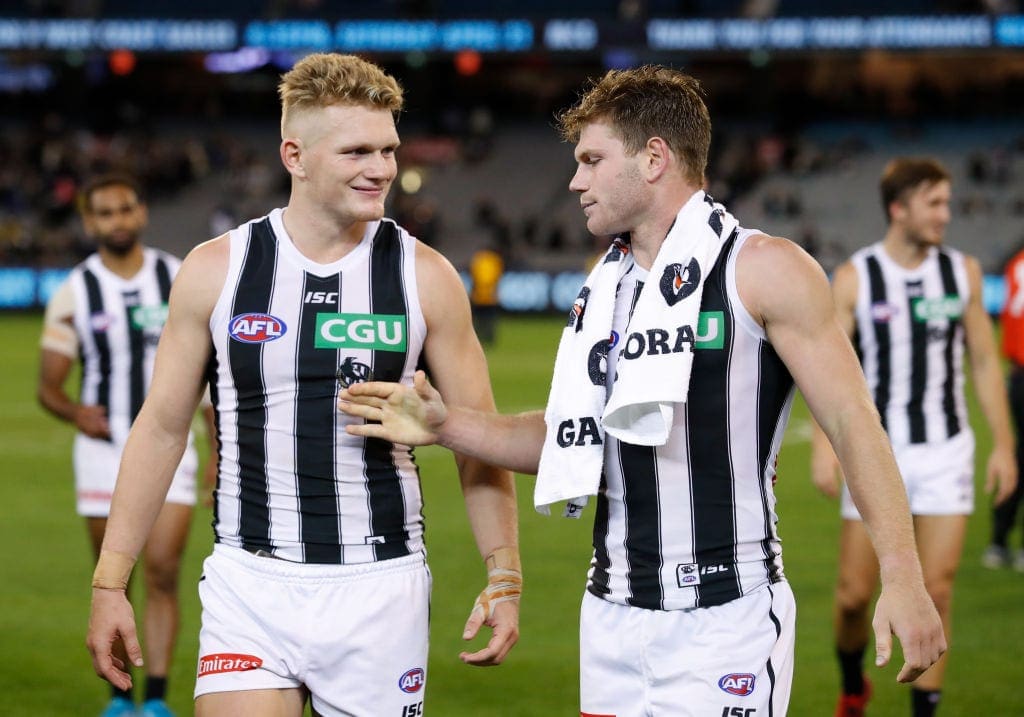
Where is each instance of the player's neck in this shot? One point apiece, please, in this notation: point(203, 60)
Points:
point(125, 265)
point(904, 251)
point(319, 237)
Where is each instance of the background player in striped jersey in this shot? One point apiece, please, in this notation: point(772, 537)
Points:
point(317, 587)
point(998, 554)
point(109, 314)
point(687, 610)
point(913, 306)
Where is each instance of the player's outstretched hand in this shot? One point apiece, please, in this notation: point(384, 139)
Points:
point(112, 619)
point(411, 415)
point(906, 610)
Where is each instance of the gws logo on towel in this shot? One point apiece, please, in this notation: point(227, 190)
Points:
point(382, 332)
point(678, 282)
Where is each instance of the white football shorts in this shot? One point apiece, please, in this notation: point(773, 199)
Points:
point(96, 463)
point(939, 477)
point(734, 660)
point(354, 635)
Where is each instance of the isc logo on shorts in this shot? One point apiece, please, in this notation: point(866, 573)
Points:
point(413, 680)
point(736, 683)
point(256, 328)
point(227, 662)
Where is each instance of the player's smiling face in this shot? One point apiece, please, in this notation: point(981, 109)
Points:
point(924, 213)
point(608, 180)
point(348, 159)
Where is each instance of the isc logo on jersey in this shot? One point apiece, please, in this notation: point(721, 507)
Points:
point(256, 328)
point(383, 332)
point(740, 684)
point(412, 680)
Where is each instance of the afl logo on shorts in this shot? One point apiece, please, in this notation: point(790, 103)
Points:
point(739, 684)
point(256, 328)
point(413, 680)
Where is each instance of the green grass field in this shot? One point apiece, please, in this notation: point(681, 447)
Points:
point(44, 590)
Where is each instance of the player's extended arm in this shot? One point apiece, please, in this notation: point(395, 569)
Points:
point(987, 375)
point(152, 453)
point(417, 416)
point(459, 368)
point(799, 318)
point(825, 471)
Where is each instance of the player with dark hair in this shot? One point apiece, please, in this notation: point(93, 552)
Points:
point(109, 314)
point(914, 308)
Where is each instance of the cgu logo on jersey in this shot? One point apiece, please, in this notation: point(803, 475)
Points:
point(383, 332)
point(740, 684)
point(710, 334)
point(412, 680)
point(227, 662)
point(149, 317)
point(256, 328)
point(947, 307)
point(677, 282)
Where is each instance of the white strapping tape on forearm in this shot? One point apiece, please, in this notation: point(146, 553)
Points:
point(504, 581)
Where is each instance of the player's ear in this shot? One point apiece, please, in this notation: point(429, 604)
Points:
point(291, 156)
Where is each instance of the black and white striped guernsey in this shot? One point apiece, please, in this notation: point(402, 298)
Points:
point(692, 523)
point(910, 339)
point(286, 331)
point(118, 322)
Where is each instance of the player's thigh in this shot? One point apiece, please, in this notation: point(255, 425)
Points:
point(252, 703)
point(372, 648)
point(858, 565)
point(96, 527)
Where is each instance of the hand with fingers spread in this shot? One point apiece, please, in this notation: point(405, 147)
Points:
point(905, 609)
point(497, 606)
point(411, 415)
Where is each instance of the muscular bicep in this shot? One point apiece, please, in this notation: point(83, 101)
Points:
point(802, 324)
point(458, 367)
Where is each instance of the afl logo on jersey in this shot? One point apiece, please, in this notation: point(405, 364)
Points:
point(739, 684)
point(883, 312)
point(413, 680)
point(256, 328)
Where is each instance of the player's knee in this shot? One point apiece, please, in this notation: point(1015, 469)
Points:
point(852, 600)
point(941, 592)
point(162, 576)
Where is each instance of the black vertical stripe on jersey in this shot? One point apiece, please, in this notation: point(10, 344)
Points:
point(949, 288)
point(643, 525)
point(163, 279)
point(99, 337)
point(136, 355)
point(252, 296)
point(315, 431)
point(711, 471)
point(387, 296)
point(212, 372)
point(599, 580)
point(876, 284)
point(918, 369)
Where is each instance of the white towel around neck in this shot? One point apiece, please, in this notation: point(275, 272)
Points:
point(647, 387)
